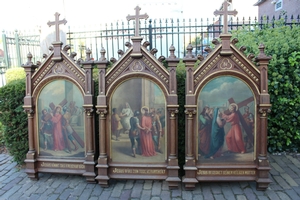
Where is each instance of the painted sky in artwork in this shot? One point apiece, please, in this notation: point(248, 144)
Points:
point(217, 92)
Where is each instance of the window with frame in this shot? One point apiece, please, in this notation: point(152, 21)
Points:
point(278, 5)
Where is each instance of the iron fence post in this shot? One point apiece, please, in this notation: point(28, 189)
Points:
point(6, 61)
point(18, 51)
point(150, 33)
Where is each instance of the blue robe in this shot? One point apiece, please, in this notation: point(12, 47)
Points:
point(217, 136)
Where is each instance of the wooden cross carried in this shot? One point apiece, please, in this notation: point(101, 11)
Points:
point(225, 13)
point(57, 22)
point(137, 16)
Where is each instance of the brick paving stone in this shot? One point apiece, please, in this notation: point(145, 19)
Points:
point(292, 194)
point(129, 184)
point(271, 194)
point(198, 197)
point(295, 161)
point(277, 168)
point(295, 169)
point(148, 185)
point(165, 185)
point(10, 192)
point(297, 190)
point(289, 179)
point(65, 194)
point(125, 195)
point(283, 196)
point(12, 183)
point(97, 191)
point(176, 193)
point(105, 195)
point(216, 189)
point(156, 188)
point(146, 195)
point(155, 198)
point(219, 197)
point(197, 189)
point(31, 190)
point(85, 194)
point(187, 195)
point(34, 197)
point(165, 195)
point(241, 197)
point(262, 198)
point(53, 197)
point(227, 192)
point(257, 192)
point(117, 190)
point(93, 198)
point(206, 191)
point(236, 189)
point(61, 187)
point(137, 190)
point(249, 193)
point(282, 182)
point(16, 195)
point(78, 190)
point(244, 185)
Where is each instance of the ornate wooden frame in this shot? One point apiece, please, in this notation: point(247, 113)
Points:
point(242, 67)
point(58, 65)
point(139, 62)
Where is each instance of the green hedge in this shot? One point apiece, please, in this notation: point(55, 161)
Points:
point(283, 44)
point(14, 119)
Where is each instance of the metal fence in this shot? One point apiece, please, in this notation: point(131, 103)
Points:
point(161, 33)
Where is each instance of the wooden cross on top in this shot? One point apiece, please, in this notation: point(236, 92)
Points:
point(57, 22)
point(137, 16)
point(225, 12)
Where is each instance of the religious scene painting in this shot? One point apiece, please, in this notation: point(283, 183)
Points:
point(137, 122)
point(226, 121)
point(61, 120)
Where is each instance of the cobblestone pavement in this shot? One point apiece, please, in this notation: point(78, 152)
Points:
point(14, 184)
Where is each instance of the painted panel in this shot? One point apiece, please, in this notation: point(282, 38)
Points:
point(61, 120)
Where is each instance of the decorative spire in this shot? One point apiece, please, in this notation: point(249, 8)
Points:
point(172, 51)
point(102, 52)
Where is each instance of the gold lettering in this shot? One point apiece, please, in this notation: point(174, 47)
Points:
point(226, 172)
point(138, 171)
point(62, 165)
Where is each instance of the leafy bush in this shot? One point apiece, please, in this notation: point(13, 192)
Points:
point(14, 74)
point(283, 44)
point(14, 119)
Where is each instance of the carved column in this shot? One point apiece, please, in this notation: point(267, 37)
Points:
point(173, 166)
point(89, 111)
point(264, 108)
point(190, 110)
point(31, 166)
point(102, 111)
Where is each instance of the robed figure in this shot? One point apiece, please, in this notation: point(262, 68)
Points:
point(217, 135)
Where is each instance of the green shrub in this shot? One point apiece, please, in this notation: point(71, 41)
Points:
point(14, 74)
point(14, 119)
point(283, 44)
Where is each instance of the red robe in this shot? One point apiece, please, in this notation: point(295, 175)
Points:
point(234, 138)
point(146, 140)
point(58, 139)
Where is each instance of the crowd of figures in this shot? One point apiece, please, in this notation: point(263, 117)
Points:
point(56, 127)
point(144, 128)
point(212, 135)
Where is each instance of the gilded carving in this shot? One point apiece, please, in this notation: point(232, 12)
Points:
point(245, 68)
point(264, 111)
point(206, 69)
point(225, 64)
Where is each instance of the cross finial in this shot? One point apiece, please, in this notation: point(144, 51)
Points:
point(225, 12)
point(57, 22)
point(137, 16)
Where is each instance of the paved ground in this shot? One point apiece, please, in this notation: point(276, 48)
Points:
point(14, 184)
